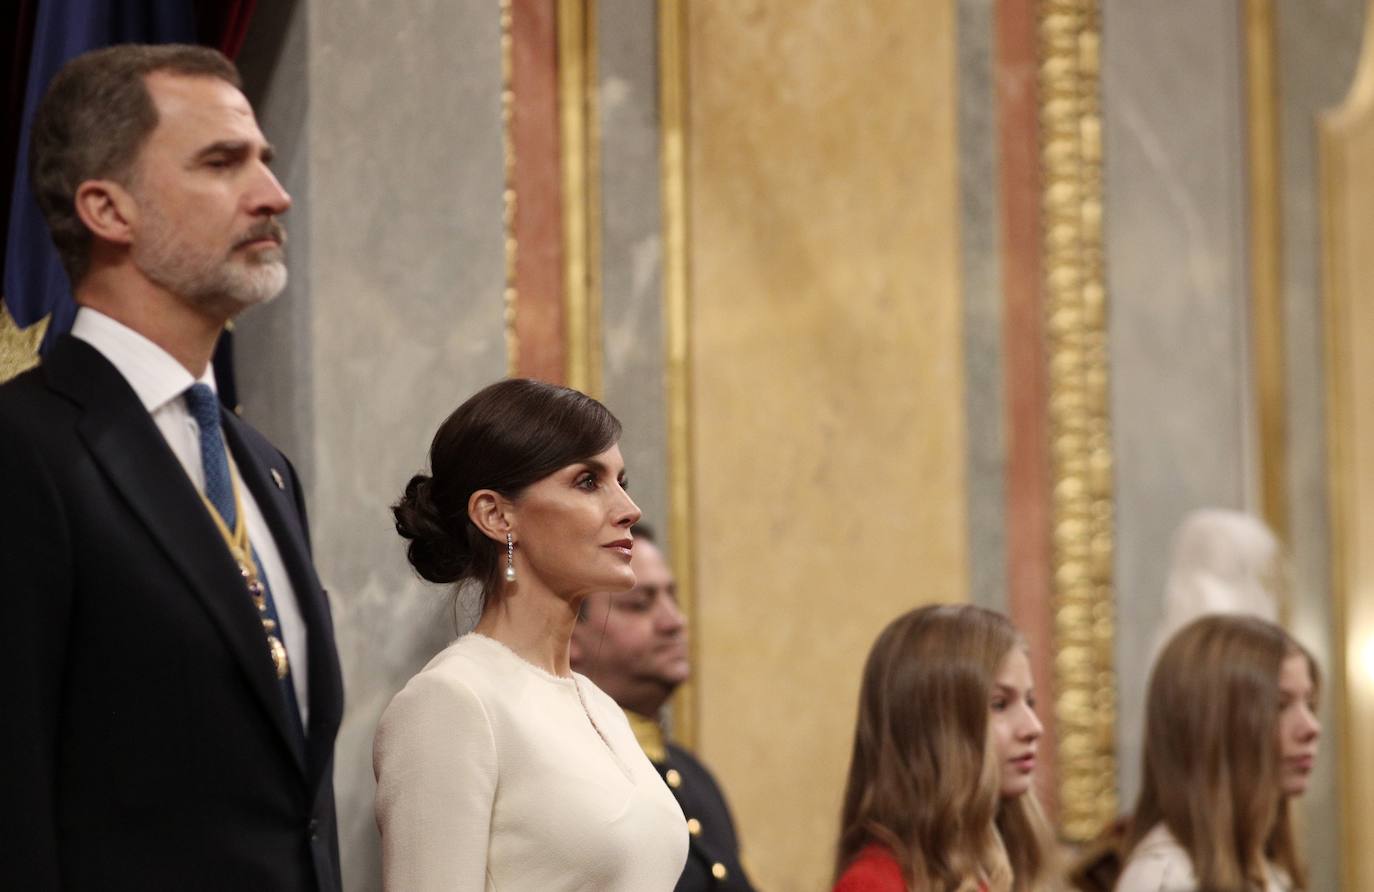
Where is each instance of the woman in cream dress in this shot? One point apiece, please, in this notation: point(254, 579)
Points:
point(498, 768)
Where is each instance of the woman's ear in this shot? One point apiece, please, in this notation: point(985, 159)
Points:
point(107, 209)
point(492, 513)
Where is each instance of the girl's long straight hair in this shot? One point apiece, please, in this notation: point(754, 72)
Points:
point(924, 780)
point(1212, 764)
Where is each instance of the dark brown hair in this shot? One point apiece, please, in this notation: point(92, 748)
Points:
point(1212, 765)
point(91, 124)
point(923, 779)
point(507, 436)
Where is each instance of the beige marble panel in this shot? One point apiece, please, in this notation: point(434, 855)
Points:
point(827, 376)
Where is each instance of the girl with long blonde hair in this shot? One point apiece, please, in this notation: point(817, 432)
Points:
point(1230, 737)
point(939, 793)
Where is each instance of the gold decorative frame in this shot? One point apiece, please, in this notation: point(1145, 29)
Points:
point(672, 98)
point(1345, 140)
point(580, 155)
point(509, 294)
point(1266, 258)
point(1079, 425)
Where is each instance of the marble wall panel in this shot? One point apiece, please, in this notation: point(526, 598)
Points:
point(395, 316)
point(1027, 455)
point(1318, 44)
point(536, 181)
point(827, 373)
point(980, 227)
point(273, 350)
point(632, 247)
point(1174, 144)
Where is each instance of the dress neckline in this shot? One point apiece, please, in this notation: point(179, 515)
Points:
point(577, 683)
point(505, 650)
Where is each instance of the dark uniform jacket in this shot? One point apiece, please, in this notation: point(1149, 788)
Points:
point(713, 854)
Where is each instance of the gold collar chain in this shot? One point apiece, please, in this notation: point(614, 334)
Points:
point(242, 551)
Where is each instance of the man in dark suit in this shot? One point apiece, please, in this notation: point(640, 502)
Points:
point(633, 645)
point(169, 687)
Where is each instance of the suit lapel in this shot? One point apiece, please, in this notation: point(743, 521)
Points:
point(125, 442)
point(261, 468)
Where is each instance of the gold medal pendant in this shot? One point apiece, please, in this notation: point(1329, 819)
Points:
point(279, 660)
point(258, 592)
point(242, 550)
point(255, 589)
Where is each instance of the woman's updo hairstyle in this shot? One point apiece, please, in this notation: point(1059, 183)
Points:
point(505, 437)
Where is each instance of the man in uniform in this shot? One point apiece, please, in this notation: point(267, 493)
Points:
point(170, 687)
point(633, 645)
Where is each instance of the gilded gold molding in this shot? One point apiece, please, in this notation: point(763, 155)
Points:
point(1079, 424)
point(672, 110)
point(1341, 467)
point(509, 294)
point(1346, 166)
point(1266, 245)
point(19, 346)
point(580, 156)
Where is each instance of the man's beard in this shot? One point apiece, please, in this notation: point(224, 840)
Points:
point(222, 286)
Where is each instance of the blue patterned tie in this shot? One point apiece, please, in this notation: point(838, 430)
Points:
point(219, 487)
point(219, 491)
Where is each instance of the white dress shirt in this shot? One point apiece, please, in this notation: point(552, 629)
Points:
point(160, 381)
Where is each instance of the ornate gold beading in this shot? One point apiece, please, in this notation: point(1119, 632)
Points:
point(508, 157)
point(1079, 424)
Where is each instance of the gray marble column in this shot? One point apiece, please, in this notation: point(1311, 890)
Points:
point(388, 121)
point(1181, 405)
point(632, 248)
point(981, 246)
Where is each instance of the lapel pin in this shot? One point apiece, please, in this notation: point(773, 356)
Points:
point(276, 478)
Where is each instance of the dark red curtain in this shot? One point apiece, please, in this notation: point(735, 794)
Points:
point(224, 23)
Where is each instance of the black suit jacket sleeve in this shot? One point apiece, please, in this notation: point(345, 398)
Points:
point(35, 602)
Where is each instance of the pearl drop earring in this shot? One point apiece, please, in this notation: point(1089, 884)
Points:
point(510, 558)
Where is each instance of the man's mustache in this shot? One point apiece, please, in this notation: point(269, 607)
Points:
point(266, 229)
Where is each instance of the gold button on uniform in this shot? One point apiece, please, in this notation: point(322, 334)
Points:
point(673, 778)
point(718, 871)
point(694, 826)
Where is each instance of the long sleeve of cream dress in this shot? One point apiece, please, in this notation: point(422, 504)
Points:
point(495, 776)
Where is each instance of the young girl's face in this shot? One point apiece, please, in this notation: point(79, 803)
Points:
point(1016, 729)
point(1298, 725)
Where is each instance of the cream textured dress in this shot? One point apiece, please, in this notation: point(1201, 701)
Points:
point(1159, 864)
point(494, 775)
